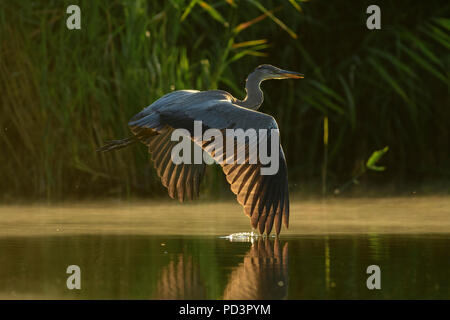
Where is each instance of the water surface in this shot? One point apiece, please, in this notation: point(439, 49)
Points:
point(170, 251)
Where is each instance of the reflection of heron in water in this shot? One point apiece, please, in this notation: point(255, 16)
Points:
point(263, 274)
point(180, 280)
point(265, 198)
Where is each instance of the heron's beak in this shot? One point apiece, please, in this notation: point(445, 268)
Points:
point(291, 74)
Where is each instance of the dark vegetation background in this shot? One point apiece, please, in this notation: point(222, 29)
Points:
point(63, 93)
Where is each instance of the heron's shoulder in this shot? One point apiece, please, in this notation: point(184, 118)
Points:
point(213, 95)
point(195, 93)
point(188, 101)
point(175, 95)
point(167, 99)
point(191, 96)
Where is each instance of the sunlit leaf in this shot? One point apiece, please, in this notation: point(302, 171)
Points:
point(249, 23)
point(256, 53)
point(244, 53)
point(188, 9)
point(374, 158)
point(249, 43)
point(325, 131)
point(213, 13)
point(275, 19)
point(231, 2)
point(296, 5)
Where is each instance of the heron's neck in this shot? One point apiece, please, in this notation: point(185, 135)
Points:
point(255, 96)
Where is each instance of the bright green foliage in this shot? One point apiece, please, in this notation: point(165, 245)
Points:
point(376, 155)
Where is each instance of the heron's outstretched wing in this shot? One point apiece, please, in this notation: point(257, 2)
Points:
point(265, 198)
point(183, 180)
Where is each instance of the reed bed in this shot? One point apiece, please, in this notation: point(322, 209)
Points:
point(64, 92)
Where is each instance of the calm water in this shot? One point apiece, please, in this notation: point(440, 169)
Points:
point(123, 255)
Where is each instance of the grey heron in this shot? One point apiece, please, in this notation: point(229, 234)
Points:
point(265, 198)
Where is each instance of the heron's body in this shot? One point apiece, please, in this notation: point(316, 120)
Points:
point(265, 198)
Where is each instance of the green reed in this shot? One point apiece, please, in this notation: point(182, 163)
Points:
point(63, 93)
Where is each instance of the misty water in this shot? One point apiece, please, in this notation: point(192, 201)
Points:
point(166, 250)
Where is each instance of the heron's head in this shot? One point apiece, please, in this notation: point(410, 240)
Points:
point(267, 71)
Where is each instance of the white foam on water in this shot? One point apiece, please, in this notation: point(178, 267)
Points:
point(243, 237)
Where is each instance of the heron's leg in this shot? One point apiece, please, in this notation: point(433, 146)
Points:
point(117, 144)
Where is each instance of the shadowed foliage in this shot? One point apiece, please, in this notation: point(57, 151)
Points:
point(64, 93)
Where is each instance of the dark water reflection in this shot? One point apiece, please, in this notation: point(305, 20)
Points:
point(188, 267)
point(263, 274)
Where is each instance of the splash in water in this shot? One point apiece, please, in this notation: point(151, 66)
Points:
point(244, 237)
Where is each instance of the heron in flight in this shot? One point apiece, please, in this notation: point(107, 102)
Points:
point(265, 198)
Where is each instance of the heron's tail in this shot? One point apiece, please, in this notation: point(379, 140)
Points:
point(117, 144)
